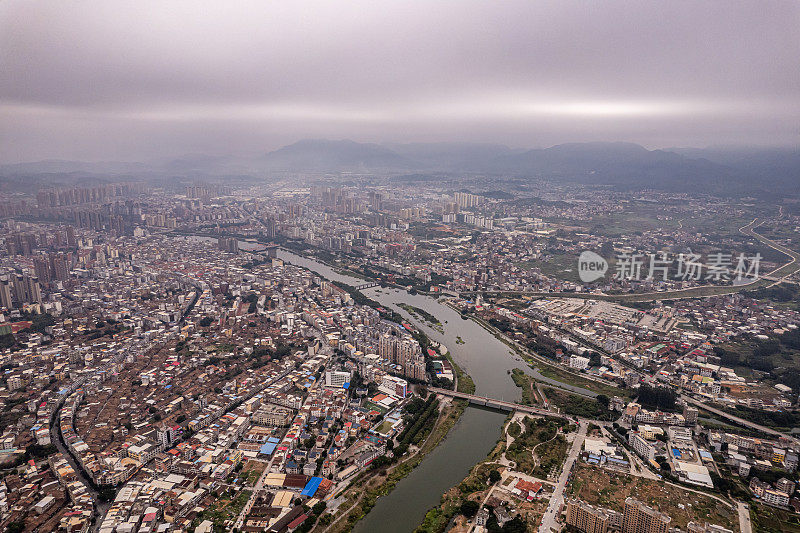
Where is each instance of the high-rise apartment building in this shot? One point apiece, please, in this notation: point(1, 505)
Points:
point(639, 518)
point(6, 299)
point(586, 518)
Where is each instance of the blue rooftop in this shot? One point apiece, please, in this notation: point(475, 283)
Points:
point(268, 448)
point(311, 487)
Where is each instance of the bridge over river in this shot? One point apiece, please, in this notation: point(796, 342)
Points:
point(497, 404)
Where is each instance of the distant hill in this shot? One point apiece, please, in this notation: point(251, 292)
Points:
point(330, 156)
point(775, 166)
point(451, 156)
point(62, 166)
point(729, 171)
point(621, 164)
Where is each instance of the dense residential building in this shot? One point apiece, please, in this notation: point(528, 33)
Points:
point(639, 518)
point(586, 518)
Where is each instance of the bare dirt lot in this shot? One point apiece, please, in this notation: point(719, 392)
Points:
point(608, 489)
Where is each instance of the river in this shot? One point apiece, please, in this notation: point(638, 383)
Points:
point(486, 359)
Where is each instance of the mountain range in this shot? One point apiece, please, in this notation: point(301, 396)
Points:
point(716, 170)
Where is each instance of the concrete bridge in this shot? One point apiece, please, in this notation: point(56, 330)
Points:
point(367, 285)
point(497, 404)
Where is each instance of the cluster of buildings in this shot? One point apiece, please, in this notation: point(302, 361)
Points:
point(166, 356)
point(637, 517)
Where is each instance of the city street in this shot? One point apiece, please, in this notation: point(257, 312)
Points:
point(557, 499)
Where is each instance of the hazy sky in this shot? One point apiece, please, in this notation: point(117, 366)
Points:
point(137, 80)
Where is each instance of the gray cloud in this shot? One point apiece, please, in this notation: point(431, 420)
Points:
point(135, 80)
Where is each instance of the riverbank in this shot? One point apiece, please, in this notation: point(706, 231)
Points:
point(549, 372)
point(423, 315)
point(362, 496)
point(397, 501)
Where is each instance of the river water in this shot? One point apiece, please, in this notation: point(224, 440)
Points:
point(486, 359)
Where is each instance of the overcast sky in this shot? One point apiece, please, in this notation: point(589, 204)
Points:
point(138, 80)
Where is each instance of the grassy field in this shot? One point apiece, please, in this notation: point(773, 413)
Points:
point(557, 265)
point(226, 507)
point(767, 519)
point(421, 314)
point(252, 471)
point(465, 382)
point(598, 486)
point(527, 384)
point(558, 374)
point(776, 360)
point(547, 457)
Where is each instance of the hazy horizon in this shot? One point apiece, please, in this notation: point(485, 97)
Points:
point(732, 148)
point(108, 81)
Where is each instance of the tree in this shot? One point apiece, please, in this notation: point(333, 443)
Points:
point(603, 400)
point(515, 525)
point(661, 397)
point(494, 476)
point(106, 493)
point(469, 508)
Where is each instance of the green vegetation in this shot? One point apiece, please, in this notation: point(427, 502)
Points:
point(16, 527)
point(426, 316)
point(465, 382)
point(785, 293)
point(418, 425)
point(8, 341)
point(768, 519)
point(40, 321)
point(662, 398)
point(778, 357)
point(527, 384)
point(226, 507)
point(573, 404)
point(780, 420)
point(533, 459)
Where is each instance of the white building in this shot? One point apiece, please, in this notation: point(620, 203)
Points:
point(642, 447)
point(336, 379)
point(578, 362)
point(394, 386)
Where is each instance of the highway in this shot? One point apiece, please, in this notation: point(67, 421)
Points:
point(738, 420)
point(749, 229)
